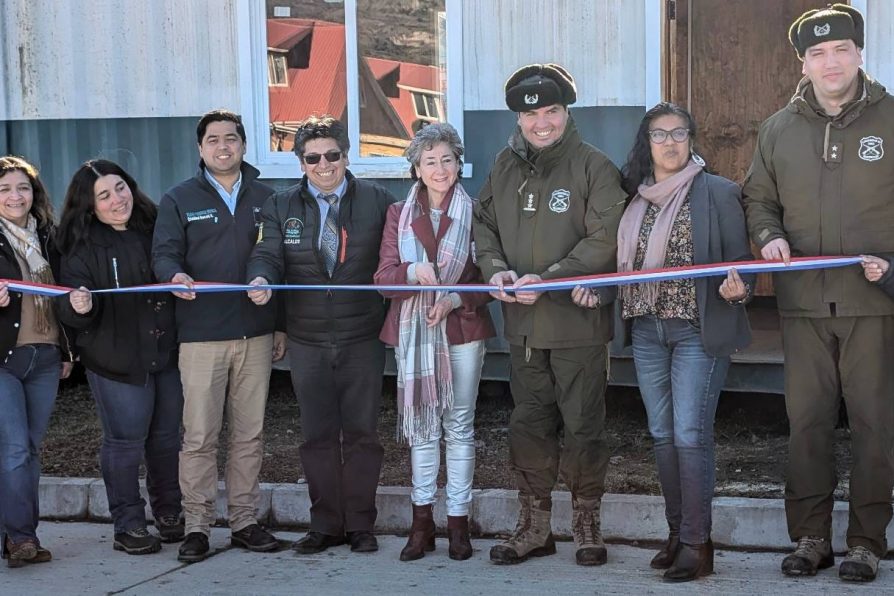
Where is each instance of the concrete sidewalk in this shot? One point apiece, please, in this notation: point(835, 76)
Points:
point(737, 522)
point(86, 564)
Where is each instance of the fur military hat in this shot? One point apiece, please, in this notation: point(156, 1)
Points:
point(539, 85)
point(836, 21)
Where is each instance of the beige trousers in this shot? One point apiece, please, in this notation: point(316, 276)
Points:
point(223, 377)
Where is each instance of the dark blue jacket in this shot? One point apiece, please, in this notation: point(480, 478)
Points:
point(196, 234)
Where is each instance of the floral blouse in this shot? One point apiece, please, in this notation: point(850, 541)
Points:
point(676, 298)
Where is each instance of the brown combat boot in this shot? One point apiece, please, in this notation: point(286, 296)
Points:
point(585, 525)
point(422, 534)
point(460, 547)
point(533, 535)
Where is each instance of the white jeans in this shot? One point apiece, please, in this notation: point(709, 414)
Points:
point(458, 422)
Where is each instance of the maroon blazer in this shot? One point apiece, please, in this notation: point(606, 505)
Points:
point(469, 322)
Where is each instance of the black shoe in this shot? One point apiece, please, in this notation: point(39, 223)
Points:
point(137, 542)
point(363, 542)
point(170, 528)
point(255, 539)
point(316, 542)
point(194, 548)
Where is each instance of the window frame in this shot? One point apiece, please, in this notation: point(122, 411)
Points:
point(255, 104)
point(272, 57)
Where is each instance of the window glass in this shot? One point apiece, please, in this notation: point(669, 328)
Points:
point(308, 36)
point(401, 71)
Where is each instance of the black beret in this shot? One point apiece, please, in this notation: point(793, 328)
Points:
point(837, 21)
point(539, 85)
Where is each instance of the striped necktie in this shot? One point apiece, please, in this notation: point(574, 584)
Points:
point(329, 241)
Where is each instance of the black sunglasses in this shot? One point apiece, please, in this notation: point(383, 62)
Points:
point(314, 158)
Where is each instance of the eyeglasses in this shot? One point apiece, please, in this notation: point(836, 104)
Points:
point(659, 135)
point(314, 158)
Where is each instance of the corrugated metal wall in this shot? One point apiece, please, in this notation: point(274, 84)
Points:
point(116, 58)
point(601, 42)
point(880, 41)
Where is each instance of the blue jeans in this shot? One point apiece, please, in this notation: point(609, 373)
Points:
point(680, 385)
point(140, 421)
point(28, 382)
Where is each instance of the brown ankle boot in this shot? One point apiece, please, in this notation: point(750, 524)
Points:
point(460, 547)
point(665, 557)
point(692, 562)
point(422, 534)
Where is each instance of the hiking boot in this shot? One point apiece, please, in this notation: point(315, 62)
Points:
point(460, 547)
point(170, 528)
point(692, 562)
point(19, 553)
point(422, 534)
point(665, 557)
point(533, 535)
point(194, 549)
point(811, 554)
point(255, 539)
point(137, 542)
point(860, 565)
point(585, 525)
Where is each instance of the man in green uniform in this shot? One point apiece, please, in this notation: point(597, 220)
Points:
point(549, 209)
point(822, 183)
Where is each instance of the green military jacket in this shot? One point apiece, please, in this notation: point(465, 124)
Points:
point(556, 217)
point(826, 185)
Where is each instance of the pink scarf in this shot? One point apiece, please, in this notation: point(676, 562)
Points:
point(669, 195)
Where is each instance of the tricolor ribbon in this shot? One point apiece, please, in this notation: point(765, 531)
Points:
point(567, 283)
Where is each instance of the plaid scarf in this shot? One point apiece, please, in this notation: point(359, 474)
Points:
point(27, 245)
point(425, 382)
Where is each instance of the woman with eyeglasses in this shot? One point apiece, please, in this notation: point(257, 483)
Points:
point(683, 331)
point(128, 344)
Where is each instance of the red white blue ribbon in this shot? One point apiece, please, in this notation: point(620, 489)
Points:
point(568, 283)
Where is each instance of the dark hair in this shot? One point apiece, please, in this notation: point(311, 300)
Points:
point(41, 207)
point(78, 210)
point(219, 116)
point(321, 127)
point(639, 160)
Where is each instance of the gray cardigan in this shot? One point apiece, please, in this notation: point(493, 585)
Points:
point(718, 235)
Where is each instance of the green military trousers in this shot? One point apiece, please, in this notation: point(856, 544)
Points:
point(556, 390)
point(828, 359)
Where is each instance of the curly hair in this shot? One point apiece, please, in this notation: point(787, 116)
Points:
point(78, 210)
point(321, 127)
point(41, 207)
point(639, 160)
point(427, 137)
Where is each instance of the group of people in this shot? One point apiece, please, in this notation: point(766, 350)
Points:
point(552, 207)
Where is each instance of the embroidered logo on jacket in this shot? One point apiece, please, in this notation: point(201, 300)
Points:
point(203, 215)
point(871, 149)
point(560, 201)
point(291, 231)
point(532, 99)
point(821, 30)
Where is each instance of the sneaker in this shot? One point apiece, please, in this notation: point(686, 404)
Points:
point(194, 548)
point(255, 539)
point(811, 554)
point(137, 542)
point(170, 528)
point(860, 565)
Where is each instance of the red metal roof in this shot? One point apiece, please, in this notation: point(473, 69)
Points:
point(418, 76)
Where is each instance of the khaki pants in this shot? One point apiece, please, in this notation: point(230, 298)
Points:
point(825, 360)
point(555, 390)
point(220, 377)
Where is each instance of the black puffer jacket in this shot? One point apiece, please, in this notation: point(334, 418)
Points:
point(11, 315)
point(124, 336)
point(287, 252)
